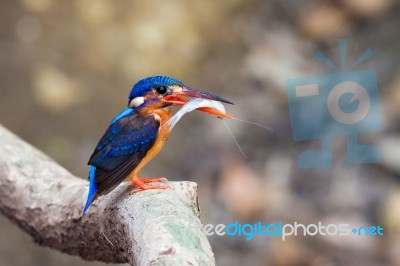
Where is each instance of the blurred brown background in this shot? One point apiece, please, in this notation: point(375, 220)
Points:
point(66, 68)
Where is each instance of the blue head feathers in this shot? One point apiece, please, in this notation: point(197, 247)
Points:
point(144, 85)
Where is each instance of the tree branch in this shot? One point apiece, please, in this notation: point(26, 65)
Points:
point(154, 227)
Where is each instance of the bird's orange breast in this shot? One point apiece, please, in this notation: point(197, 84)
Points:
point(163, 115)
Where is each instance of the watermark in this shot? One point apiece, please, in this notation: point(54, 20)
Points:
point(342, 103)
point(279, 229)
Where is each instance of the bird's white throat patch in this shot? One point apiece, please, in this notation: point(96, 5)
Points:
point(137, 101)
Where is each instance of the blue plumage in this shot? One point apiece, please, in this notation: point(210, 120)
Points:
point(92, 188)
point(144, 85)
point(125, 112)
point(124, 137)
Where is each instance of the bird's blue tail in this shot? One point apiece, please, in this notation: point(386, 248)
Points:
point(92, 188)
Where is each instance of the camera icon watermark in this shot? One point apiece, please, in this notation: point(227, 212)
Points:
point(342, 103)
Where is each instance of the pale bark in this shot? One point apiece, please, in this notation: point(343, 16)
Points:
point(155, 227)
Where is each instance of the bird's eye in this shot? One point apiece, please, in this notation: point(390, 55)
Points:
point(161, 90)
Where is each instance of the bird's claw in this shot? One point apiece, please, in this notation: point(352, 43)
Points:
point(148, 187)
point(142, 184)
point(157, 179)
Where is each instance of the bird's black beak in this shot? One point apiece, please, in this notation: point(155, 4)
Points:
point(175, 98)
point(186, 91)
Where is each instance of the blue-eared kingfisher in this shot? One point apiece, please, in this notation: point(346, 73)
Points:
point(137, 134)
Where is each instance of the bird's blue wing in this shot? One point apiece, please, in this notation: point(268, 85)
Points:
point(126, 136)
point(119, 151)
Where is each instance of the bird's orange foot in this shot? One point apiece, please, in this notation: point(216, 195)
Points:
point(147, 187)
point(156, 179)
point(142, 184)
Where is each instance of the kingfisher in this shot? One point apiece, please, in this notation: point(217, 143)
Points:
point(137, 134)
